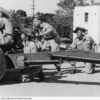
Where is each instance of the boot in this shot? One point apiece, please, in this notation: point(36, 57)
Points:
point(73, 69)
point(58, 70)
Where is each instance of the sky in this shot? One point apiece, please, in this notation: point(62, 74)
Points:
point(45, 6)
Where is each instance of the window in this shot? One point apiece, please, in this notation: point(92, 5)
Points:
point(86, 17)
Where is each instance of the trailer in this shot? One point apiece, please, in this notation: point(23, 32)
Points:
point(76, 55)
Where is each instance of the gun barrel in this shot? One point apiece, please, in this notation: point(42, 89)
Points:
point(76, 55)
point(39, 62)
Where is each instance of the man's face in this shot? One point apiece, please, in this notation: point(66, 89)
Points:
point(37, 22)
point(79, 33)
point(23, 36)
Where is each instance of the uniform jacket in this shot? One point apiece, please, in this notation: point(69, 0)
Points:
point(87, 43)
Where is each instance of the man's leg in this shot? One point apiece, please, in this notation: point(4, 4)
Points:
point(58, 67)
point(44, 45)
point(89, 68)
point(73, 67)
point(54, 46)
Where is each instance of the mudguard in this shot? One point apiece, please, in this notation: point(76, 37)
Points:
point(18, 60)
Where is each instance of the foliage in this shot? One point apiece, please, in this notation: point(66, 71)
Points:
point(64, 15)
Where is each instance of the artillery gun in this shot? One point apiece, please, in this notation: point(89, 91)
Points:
point(21, 63)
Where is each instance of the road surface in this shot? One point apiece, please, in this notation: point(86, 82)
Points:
point(79, 84)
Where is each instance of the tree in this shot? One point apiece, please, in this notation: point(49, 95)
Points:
point(21, 13)
point(66, 8)
point(64, 15)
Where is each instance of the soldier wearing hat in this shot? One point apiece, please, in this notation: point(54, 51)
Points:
point(28, 41)
point(83, 42)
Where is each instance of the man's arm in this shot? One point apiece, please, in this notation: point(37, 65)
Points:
point(92, 42)
point(95, 48)
point(73, 45)
point(32, 47)
point(49, 30)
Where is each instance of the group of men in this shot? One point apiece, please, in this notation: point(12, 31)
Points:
point(50, 38)
point(48, 34)
point(83, 42)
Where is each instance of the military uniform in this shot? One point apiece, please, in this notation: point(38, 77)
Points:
point(51, 37)
point(28, 41)
point(87, 43)
point(29, 47)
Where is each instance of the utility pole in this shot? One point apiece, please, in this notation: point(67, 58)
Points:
point(33, 10)
point(33, 7)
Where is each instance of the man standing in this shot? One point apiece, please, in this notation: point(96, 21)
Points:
point(49, 34)
point(83, 42)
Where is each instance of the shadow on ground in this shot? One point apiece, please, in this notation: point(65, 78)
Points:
point(52, 77)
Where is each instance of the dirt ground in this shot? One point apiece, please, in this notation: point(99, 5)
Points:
point(79, 84)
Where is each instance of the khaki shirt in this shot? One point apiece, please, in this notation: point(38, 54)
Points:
point(45, 27)
point(86, 43)
point(51, 32)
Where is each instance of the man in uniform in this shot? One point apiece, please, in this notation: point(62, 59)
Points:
point(28, 41)
point(49, 34)
point(83, 42)
point(5, 39)
point(6, 30)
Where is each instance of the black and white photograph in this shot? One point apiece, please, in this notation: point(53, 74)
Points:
point(49, 48)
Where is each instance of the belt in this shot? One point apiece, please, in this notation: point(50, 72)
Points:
point(48, 38)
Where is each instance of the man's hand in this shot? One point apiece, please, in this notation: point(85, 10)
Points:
point(70, 48)
point(41, 34)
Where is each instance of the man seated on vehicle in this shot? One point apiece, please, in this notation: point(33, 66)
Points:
point(83, 42)
point(29, 47)
point(28, 41)
point(6, 30)
point(6, 39)
point(50, 35)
